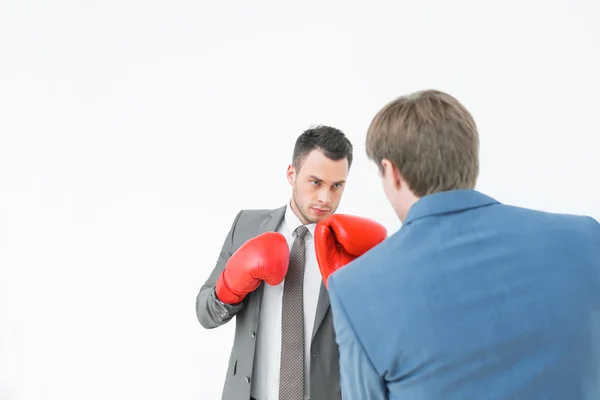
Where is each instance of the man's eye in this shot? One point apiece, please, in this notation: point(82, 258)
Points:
point(315, 183)
point(337, 185)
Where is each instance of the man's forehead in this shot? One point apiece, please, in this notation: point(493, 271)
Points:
point(321, 168)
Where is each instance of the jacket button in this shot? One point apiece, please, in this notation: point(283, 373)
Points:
point(247, 379)
point(252, 333)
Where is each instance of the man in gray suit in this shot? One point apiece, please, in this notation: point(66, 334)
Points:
point(281, 352)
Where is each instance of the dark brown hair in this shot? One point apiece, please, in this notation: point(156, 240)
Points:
point(329, 140)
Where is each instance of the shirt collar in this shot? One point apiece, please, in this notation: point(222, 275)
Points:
point(447, 202)
point(293, 222)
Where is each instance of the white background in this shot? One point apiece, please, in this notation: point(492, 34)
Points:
point(131, 133)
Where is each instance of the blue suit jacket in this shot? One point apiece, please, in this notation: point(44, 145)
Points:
point(473, 299)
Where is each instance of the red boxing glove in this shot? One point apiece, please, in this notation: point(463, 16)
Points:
point(263, 258)
point(342, 238)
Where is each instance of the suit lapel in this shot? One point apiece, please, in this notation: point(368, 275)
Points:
point(271, 223)
point(322, 308)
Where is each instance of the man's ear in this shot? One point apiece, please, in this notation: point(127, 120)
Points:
point(391, 172)
point(291, 174)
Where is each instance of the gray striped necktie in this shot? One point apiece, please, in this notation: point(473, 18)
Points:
point(291, 372)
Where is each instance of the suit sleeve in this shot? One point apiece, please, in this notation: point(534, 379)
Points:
point(358, 378)
point(211, 312)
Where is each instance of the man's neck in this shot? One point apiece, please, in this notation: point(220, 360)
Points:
point(404, 208)
point(297, 213)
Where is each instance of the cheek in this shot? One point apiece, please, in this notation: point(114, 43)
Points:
point(387, 188)
point(303, 193)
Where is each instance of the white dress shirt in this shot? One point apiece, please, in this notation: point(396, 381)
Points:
point(265, 375)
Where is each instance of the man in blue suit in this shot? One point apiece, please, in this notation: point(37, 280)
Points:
point(471, 298)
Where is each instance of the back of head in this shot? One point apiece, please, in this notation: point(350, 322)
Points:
point(330, 141)
point(430, 138)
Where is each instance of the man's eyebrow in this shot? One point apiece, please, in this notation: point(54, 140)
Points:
point(316, 178)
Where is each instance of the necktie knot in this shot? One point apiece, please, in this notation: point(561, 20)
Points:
point(301, 231)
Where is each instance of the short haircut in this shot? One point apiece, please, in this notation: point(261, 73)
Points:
point(431, 138)
point(332, 142)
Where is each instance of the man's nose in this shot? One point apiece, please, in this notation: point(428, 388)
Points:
point(324, 196)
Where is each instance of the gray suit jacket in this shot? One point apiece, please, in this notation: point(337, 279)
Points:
point(324, 365)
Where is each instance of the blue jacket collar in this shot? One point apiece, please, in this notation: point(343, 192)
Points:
point(447, 202)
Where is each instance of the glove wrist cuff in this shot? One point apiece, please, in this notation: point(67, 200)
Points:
point(225, 294)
